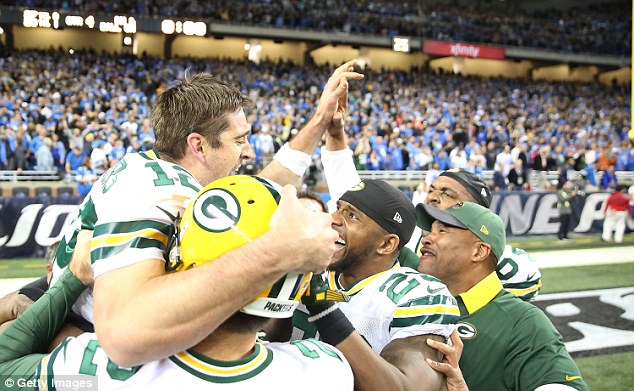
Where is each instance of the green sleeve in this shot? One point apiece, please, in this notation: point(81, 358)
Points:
point(26, 340)
point(407, 258)
point(537, 356)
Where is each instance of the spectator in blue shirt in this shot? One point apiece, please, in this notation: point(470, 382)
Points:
point(59, 151)
point(443, 160)
point(85, 177)
point(608, 180)
point(74, 160)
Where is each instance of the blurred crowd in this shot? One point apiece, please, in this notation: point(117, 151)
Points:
point(603, 28)
point(63, 112)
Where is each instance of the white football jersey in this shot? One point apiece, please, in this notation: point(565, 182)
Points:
point(397, 303)
point(124, 211)
point(519, 274)
point(280, 366)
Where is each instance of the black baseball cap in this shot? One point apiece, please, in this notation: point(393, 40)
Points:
point(473, 184)
point(388, 206)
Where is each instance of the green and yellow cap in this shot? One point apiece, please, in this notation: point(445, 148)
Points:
point(467, 215)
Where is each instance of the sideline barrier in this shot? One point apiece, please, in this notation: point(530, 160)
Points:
point(535, 213)
point(29, 224)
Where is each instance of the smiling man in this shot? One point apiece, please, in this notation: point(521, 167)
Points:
point(509, 344)
point(201, 133)
point(393, 309)
point(516, 269)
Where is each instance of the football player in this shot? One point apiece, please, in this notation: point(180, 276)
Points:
point(388, 312)
point(201, 135)
point(518, 272)
point(227, 214)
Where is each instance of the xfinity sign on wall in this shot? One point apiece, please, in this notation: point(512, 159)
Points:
point(461, 49)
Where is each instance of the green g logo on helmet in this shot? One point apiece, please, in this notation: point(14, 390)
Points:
point(227, 214)
point(216, 210)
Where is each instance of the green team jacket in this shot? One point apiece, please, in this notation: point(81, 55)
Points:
point(510, 344)
point(25, 342)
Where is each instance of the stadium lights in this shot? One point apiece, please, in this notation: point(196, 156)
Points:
point(119, 24)
point(45, 19)
point(187, 27)
point(400, 44)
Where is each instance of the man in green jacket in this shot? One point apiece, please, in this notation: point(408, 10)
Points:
point(509, 344)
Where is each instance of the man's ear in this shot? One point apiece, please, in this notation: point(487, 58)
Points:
point(197, 144)
point(389, 244)
point(481, 252)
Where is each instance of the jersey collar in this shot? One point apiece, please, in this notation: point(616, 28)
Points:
point(224, 371)
point(481, 293)
point(333, 281)
point(152, 154)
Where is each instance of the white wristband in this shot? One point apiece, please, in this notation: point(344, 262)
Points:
point(295, 161)
point(323, 313)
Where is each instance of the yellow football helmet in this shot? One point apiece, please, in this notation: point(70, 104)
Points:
point(227, 214)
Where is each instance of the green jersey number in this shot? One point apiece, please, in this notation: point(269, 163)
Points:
point(110, 177)
point(88, 367)
point(311, 352)
point(509, 261)
point(164, 180)
point(401, 282)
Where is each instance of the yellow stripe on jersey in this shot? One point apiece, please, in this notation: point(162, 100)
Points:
point(214, 370)
point(44, 372)
point(120, 239)
point(151, 154)
point(304, 283)
point(521, 292)
point(437, 309)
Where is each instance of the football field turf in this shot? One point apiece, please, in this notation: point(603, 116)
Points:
point(602, 294)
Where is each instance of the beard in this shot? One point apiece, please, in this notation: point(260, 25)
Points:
point(353, 258)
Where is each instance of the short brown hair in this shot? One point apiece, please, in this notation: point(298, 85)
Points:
point(196, 104)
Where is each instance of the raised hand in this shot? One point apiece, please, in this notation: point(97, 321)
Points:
point(334, 98)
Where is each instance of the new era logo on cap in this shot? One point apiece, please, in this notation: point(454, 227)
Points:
point(484, 230)
point(397, 217)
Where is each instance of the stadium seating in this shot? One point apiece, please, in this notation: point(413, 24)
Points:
point(21, 191)
point(43, 191)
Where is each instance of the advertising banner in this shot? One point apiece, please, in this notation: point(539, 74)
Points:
point(461, 49)
point(535, 213)
point(29, 225)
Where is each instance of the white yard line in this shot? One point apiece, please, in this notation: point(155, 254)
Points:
point(590, 256)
